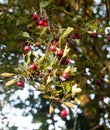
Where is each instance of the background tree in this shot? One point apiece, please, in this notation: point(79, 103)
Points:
point(89, 44)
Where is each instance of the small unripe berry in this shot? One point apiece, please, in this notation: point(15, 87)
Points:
point(27, 48)
point(63, 113)
point(20, 83)
point(38, 27)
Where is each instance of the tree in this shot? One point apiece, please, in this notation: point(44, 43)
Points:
point(73, 41)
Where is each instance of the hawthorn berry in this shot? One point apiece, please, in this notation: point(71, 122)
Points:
point(45, 24)
point(59, 52)
point(27, 48)
point(40, 22)
point(63, 113)
point(35, 16)
point(65, 75)
point(53, 47)
point(33, 66)
point(67, 61)
point(37, 44)
point(108, 38)
point(74, 36)
point(20, 83)
point(101, 97)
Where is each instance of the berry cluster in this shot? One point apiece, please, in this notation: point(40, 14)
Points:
point(40, 21)
point(76, 36)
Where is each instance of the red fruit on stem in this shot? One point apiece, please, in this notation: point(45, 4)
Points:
point(33, 67)
point(20, 83)
point(65, 75)
point(37, 44)
point(63, 113)
point(74, 36)
point(53, 47)
point(45, 24)
point(40, 22)
point(35, 16)
point(108, 38)
point(59, 52)
point(99, 82)
point(27, 48)
point(101, 97)
point(67, 61)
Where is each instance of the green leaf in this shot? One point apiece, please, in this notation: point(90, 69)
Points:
point(26, 34)
point(65, 33)
point(68, 87)
point(21, 67)
point(44, 4)
point(43, 32)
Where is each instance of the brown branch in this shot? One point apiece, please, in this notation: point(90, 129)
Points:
point(95, 127)
point(107, 7)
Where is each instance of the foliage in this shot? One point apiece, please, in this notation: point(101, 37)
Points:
point(76, 29)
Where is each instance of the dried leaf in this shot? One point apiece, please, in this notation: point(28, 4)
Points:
point(11, 82)
point(7, 74)
point(69, 104)
point(49, 79)
point(67, 69)
point(51, 109)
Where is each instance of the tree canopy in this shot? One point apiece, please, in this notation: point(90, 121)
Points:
point(59, 48)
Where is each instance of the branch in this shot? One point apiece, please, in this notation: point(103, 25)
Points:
point(107, 7)
point(95, 127)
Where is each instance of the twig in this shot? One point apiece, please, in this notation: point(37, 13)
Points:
point(95, 127)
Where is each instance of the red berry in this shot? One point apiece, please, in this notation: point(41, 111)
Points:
point(40, 22)
point(99, 82)
point(108, 38)
point(37, 44)
point(67, 61)
point(33, 67)
point(74, 36)
point(65, 75)
point(78, 37)
point(63, 113)
point(35, 16)
point(20, 83)
point(53, 47)
point(27, 48)
point(101, 97)
point(45, 24)
point(59, 52)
